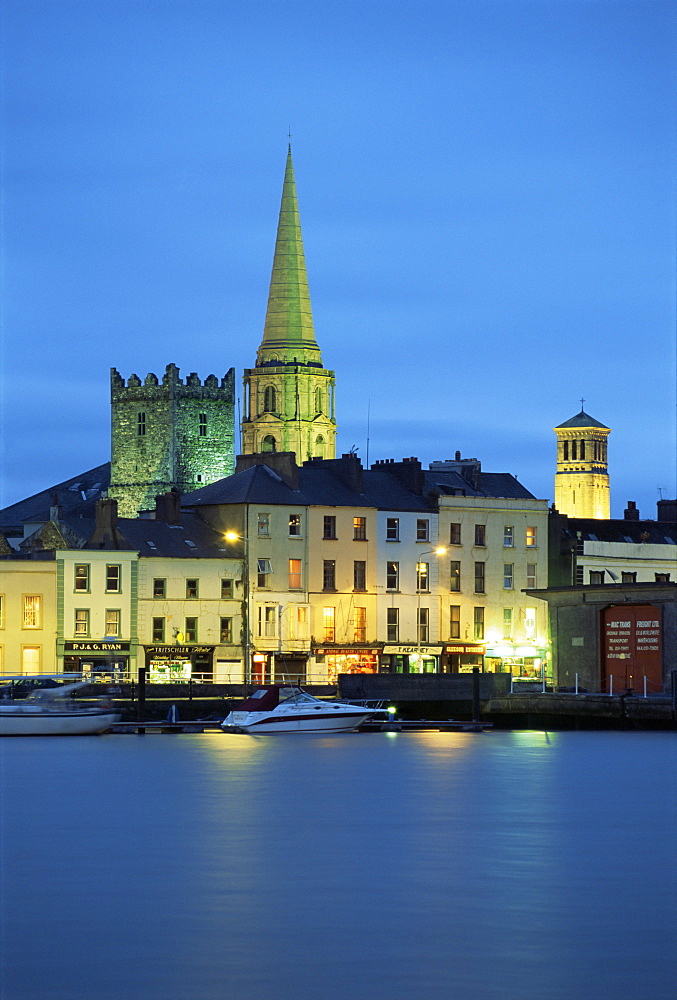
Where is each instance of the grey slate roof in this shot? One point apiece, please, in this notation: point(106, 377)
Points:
point(76, 498)
point(191, 539)
point(582, 419)
point(620, 530)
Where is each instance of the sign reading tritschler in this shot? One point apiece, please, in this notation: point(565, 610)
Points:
point(632, 646)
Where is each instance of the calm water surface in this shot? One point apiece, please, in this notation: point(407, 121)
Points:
point(439, 865)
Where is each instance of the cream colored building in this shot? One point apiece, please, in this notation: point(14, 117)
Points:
point(28, 616)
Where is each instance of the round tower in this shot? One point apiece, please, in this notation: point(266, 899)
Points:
point(582, 477)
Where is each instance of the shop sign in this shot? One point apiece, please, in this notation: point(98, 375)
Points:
point(464, 649)
point(347, 651)
point(412, 650)
point(174, 651)
point(96, 647)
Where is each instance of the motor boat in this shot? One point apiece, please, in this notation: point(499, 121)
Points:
point(54, 712)
point(284, 709)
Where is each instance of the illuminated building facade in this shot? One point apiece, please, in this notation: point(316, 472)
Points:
point(168, 434)
point(289, 396)
point(582, 477)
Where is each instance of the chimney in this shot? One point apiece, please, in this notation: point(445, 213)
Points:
point(631, 513)
point(666, 510)
point(168, 507)
point(106, 534)
point(283, 463)
point(408, 471)
point(55, 509)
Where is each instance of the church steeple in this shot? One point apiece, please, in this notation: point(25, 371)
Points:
point(289, 333)
point(289, 396)
point(582, 477)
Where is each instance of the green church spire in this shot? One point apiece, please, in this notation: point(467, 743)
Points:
point(289, 333)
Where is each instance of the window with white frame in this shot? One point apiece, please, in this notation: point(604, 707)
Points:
point(263, 525)
point(531, 576)
point(479, 577)
point(531, 537)
point(267, 621)
point(359, 624)
point(455, 533)
point(264, 570)
point(393, 624)
point(508, 569)
point(359, 529)
point(480, 534)
point(454, 621)
point(359, 575)
point(423, 576)
point(328, 624)
point(392, 529)
point(329, 526)
point(113, 579)
point(298, 622)
point(295, 525)
point(423, 615)
point(478, 623)
point(507, 623)
point(32, 608)
point(81, 578)
point(294, 574)
point(392, 576)
point(329, 574)
point(508, 536)
point(422, 529)
point(112, 622)
point(455, 576)
point(81, 621)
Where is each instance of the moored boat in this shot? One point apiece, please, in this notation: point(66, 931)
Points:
point(276, 708)
point(54, 712)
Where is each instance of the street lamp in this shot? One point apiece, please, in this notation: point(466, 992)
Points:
point(232, 536)
point(439, 551)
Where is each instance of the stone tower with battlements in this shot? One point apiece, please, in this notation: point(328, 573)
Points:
point(582, 477)
point(289, 397)
point(169, 434)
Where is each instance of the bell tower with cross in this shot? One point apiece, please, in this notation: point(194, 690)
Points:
point(582, 477)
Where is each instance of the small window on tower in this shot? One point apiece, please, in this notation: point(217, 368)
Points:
point(141, 424)
point(203, 425)
point(269, 399)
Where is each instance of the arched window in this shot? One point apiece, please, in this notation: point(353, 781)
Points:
point(268, 443)
point(318, 400)
point(269, 399)
point(582, 451)
point(319, 446)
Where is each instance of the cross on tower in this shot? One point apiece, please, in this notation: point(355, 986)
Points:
point(582, 401)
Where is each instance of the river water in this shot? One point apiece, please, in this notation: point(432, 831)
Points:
point(490, 866)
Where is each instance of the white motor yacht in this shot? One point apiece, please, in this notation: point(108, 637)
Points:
point(53, 712)
point(284, 709)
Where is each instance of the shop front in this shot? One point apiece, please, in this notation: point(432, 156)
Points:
point(108, 658)
point(524, 662)
point(333, 660)
point(402, 659)
point(464, 657)
point(179, 663)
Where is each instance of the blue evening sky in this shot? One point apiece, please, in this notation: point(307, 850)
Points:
point(487, 196)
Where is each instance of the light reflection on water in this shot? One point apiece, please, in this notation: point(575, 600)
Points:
point(502, 865)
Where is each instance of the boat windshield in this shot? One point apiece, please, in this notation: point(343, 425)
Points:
point(295, 694)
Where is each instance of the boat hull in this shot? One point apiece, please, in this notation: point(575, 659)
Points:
point(247, 722)
point(26, 723)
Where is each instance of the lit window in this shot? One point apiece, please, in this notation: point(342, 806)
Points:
point(159, 588)
point(455, 576)
point(191, 630)
point(531, 537)
point(112, 622)
point(81, 621)
point(531, 575)
point(360, 624)
point(31, 611)
point(423, 620)
point(422, 576)
point(191, 589)
point(454, 621)
point(359, 528)
point(479, 577)
point(158, 630)
point(263, 523)
point(422, 529)
point(329, 526)
point(392, 529)
point(295, 524)
point(113, 579)
point(455, 533)
point(202, 425)
point(329, 574)
point(508, 576)
point(507, 623)
point(359, 575)
point(328, 627)
point(478, 623)
point(30, 659)
point(480, 534)
point(82, 578)
point(508, 537)
point(530, 622)
point(393, 624)
point(267, 621)
point(141, 424)
point(294, 574)
point(392, 576)
point(226, 590)
point(226, 630)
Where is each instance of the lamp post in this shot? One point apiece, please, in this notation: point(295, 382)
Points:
point(232, 536)
point(439, 551)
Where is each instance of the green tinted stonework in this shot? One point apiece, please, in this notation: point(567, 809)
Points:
point(187, 438)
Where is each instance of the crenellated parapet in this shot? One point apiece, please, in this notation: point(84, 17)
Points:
point(171, 383)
